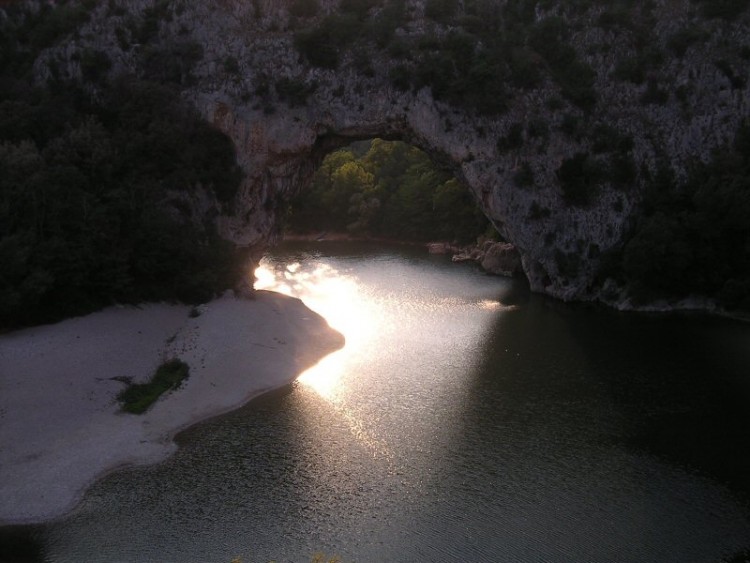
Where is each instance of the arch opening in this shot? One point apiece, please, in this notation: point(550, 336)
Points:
point(386, 189)
point(389, 190)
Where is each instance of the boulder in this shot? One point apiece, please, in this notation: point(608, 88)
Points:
point(503, 259)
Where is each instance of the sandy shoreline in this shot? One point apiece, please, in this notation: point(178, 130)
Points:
point(60, 424)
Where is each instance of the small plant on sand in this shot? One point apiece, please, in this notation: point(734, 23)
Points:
point(138, 397)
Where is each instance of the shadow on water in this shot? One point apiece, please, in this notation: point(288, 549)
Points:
point(596, 390)
point(678, 381)
point(681, 384)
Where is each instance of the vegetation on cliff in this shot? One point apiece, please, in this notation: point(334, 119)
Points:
point(694, 236)
point(97, 181)
point(101, 176)
point(474, 55)
point(691, 237)
point(387, 189)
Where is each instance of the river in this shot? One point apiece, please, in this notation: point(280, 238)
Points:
point(465, 420)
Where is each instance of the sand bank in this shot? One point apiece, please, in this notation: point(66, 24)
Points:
point(60, 424)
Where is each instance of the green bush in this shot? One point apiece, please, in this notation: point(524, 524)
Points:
point(525, 176)
point(441, 10)
point(537, 212)
point(304, 8)
point(321, 45)
point(576, 78)
point(94, 65)
point(682, 40)
point(231, 65)
point(383, 26)
point(400, 77)
point(631, 69)
point(606, 138)
point(513, 139)
point(138, 397)
point(654, 94)
point(725, 9)
point(294, 91)
point(359, 8)
point(317, 47)
point(737, 81)
point(580, 178)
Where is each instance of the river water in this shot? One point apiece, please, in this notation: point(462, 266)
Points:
point(464, 420)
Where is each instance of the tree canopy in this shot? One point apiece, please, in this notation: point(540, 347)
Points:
point(387, 189)
point(97, 176)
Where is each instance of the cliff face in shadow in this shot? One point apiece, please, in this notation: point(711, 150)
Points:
point(557, 116)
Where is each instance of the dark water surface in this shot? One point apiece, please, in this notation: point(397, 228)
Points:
point(465, 420)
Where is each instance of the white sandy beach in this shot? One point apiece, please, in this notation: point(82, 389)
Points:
point(60, 423)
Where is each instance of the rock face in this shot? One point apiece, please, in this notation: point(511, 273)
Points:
point(502, 258)
point(285, 114)
point(499, 258)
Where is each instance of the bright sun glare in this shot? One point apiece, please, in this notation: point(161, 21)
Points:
point(333, 295)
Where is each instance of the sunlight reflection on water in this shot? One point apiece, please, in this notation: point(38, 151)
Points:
point(451, 427)
point(338, 298)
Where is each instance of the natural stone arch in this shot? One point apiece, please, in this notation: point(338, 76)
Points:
point(283, 114)
point(280, 153)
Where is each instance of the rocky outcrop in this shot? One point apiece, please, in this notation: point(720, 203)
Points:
point(499, 258)
point(285, 114)
point(503, 259)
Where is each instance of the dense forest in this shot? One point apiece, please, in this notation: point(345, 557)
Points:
point(389, 190)
point(693, 237)
point(95, 180)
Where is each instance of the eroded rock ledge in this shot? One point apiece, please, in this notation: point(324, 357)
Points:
point(249, 62)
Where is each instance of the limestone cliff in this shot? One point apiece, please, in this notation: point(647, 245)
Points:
point(667, 85)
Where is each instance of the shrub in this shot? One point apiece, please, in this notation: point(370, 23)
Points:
point(513, 139)
point(577, 83)
point(294, 91)
point(316, 46)
point(304, 8)
point(138, 397)
point(580, 177)
point(654, 94)
point(172, 62)
point(608, 139)
point(725, 9)
point(94, 64)
point(621, 170)
point(576, 78)
point(680, 41)
point(737, 82)
point(618, 16)
point(231, 65)
point(537, 212)
point(694, 237)
point(525, 176)
point(441, 10)
point(321, 45)
point(383, 26)
point(632, 69)
point(359, 8)
point(400, 77)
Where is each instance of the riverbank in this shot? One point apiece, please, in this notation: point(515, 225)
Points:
point(335, 236)
point(61, 427)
